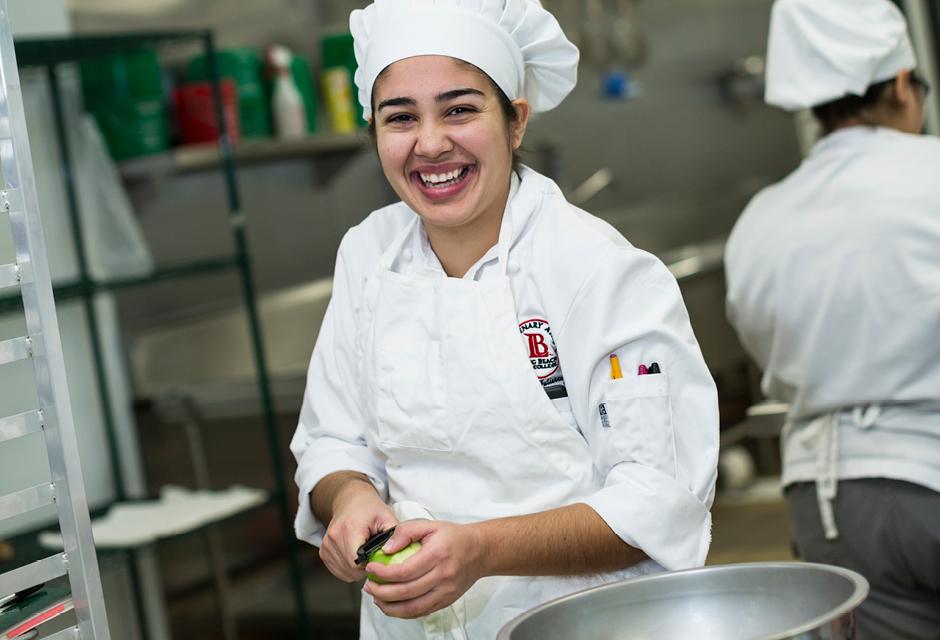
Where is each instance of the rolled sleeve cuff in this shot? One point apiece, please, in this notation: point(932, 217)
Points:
point(652, 512)
point(320, 461)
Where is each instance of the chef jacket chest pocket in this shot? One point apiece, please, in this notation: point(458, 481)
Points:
point(640, 421)
point(411, 394)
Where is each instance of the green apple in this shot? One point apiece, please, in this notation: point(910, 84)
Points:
point(396, 558)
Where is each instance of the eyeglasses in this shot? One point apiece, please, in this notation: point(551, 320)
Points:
point(918, 81)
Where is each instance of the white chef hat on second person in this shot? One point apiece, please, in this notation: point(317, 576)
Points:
point(822, 50)
point(517, 43)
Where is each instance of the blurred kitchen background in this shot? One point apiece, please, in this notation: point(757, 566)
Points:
point(666, 137)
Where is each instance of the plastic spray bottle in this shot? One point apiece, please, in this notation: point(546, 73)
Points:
point(290, 119)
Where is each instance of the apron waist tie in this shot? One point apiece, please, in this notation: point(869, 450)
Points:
point(823, 433)
point(827, 464)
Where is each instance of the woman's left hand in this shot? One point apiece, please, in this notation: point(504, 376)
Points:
point(448, 563)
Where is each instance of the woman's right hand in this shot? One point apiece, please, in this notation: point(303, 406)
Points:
point(358, 513)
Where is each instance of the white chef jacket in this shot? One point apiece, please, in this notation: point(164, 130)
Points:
point(599, 295)
point(834, 287)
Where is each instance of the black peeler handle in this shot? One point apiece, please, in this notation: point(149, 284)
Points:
point(369, 546)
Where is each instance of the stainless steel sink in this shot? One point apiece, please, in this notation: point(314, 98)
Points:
point(754, 601)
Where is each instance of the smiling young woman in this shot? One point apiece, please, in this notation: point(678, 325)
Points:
point(446, 147)
point(460, 388)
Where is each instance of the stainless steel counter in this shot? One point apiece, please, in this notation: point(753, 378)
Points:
point(208, 358)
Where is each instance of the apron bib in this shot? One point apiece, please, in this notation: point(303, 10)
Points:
point(465, 428)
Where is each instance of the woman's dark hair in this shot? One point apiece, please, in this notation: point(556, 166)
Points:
point(831, 115)
point(509, 111)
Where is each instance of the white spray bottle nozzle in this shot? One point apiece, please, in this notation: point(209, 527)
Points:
point(280, 56)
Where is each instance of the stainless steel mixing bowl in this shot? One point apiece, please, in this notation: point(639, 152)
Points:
point(752, 601)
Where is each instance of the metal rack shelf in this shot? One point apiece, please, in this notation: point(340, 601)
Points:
point(186, 158)
point(79, 288)
point(205, 157)
point(52, 52)
point(36, 52)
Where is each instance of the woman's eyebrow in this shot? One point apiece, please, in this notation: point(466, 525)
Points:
point(397, 102)
point(458, 93)
point(453, 94)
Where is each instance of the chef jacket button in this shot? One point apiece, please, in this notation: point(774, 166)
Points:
point(514, 267)
point(407, 255)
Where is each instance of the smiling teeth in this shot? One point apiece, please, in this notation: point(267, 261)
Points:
point(438, 178)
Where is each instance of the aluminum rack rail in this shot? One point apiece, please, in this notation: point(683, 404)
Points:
point(41, 345)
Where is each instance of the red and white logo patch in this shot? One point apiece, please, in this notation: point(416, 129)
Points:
point(542, 351)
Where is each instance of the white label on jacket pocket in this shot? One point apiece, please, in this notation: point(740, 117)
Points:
point(605, 419)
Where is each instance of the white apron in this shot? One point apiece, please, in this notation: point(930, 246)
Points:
point(466, 429)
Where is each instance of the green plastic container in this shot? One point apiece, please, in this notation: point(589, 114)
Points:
point(244, 67)
point(132, 130)
point(125, 95)
point(134, 75)
point(303, 78)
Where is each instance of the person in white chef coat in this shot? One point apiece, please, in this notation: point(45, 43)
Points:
point(833, 281)
point(461, 386)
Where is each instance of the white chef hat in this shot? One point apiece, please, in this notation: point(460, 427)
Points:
point(517, 43)
point(822, 50)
